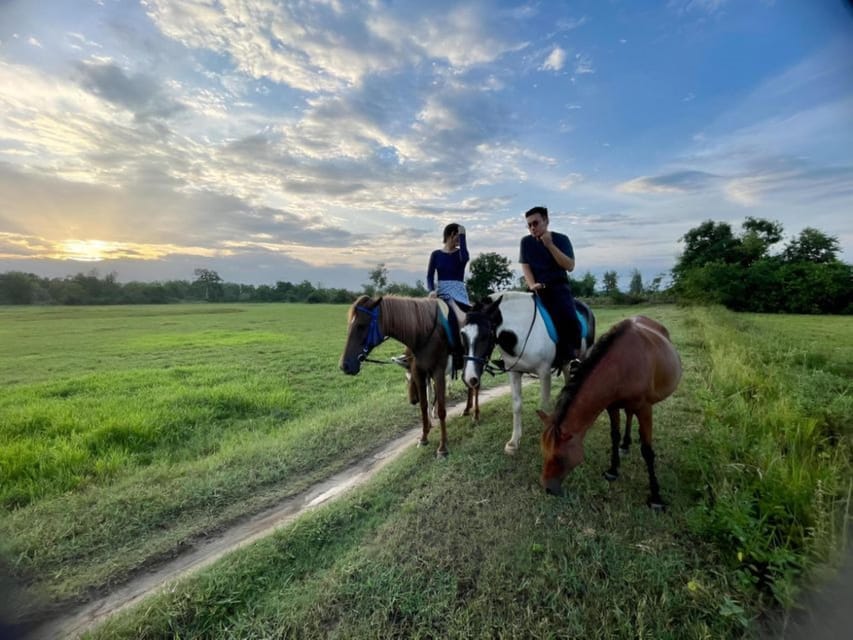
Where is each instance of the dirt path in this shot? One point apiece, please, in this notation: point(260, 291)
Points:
point(205, 553)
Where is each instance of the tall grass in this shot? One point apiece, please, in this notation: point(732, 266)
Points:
point(775, 457)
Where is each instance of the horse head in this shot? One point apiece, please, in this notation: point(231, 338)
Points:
point(562, 451)
point(363, 333)
point(478, 340)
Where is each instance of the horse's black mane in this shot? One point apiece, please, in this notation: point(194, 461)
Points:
point(576, 380)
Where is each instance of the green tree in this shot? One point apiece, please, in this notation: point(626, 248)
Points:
point(636, 286)
point(757, 238)
point(17, 287)
point(610, 281)
point(585, 287)
point(209, 282)
point(379, 280)
point(489, 272)
point(812, 246)
point(709, 242)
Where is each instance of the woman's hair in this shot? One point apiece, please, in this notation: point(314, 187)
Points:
point(450, 229)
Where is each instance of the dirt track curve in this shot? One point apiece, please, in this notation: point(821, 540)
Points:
point(75, 622)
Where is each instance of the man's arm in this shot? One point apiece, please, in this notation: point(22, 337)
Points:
point(529, 279)
point(561, 258)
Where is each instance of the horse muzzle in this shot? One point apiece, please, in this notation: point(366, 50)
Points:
point(553, 487)
point(350, 366)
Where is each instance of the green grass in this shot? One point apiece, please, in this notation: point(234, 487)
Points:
point(128, 431)
point(753, 456)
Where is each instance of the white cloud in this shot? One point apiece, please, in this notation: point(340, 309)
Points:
point(583, 64)
point(555, 60)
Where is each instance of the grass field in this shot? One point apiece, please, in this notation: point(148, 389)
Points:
point(133, 430)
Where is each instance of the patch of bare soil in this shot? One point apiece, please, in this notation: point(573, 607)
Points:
point(75, 621)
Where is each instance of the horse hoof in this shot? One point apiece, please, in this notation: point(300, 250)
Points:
point(657, 506)
point(441, 455)
point(510, 449)
point(466, 412)
point(423, 443)
point(610, 477)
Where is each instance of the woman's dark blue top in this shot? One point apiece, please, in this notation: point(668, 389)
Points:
point(449, 266)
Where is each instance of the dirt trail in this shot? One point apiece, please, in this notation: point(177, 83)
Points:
point(205, 553)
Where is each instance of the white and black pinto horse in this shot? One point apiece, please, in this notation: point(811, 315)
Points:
point(519, 325)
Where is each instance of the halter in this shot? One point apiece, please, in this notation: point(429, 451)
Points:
point(374, 335)
point(487, 366)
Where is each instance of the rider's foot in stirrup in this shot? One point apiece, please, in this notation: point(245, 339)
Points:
point(574, 365)
point(402, 360)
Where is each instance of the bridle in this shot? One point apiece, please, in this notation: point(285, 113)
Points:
point(487, 366)
point(374, 335)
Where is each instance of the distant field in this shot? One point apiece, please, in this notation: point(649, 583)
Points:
point(132, 430)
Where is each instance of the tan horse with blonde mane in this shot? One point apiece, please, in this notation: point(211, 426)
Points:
point(420, 324)
point(632, 367)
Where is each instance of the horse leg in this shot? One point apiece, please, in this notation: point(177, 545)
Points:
point(544, 374)
point(515, 384)
point(421, 384)
point(626, 439)
point(613, 472)
point(440, 382)
point(644, 417)
point(476, 393)
point(468, 402)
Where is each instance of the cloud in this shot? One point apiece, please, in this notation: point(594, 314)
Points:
point(583, 64)
point(676, 182)
point(698, 6)
point(326, 47)
point(140, 93)
point(555, 60)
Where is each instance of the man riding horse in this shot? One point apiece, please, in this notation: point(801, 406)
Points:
point(546, 257)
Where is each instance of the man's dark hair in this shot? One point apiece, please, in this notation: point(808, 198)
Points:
point(449, 230)
point(543, 211)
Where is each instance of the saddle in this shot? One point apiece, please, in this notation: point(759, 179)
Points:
point(553, 333)
point(450, 322)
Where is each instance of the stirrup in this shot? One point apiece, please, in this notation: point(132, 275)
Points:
point(574, 365)
point(500, 364)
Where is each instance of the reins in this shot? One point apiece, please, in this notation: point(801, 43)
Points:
point(526, 338)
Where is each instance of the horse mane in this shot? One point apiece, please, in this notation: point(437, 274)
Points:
point(408, 319)
point(582, 373)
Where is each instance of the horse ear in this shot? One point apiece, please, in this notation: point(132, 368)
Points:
point(544, 417)
point(375, 302)
point(489, 305)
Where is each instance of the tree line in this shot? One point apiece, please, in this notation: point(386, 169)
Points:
point(717, 266)
point(743, 271)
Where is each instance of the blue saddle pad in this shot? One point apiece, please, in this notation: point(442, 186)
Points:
point(549, 323)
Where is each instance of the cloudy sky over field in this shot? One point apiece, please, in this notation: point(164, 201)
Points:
point(274, 140)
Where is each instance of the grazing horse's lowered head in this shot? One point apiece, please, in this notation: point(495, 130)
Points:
point(632, 367)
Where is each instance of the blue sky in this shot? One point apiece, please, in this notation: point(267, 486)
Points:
point(312, 140)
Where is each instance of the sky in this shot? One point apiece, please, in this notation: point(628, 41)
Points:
point(312, 140)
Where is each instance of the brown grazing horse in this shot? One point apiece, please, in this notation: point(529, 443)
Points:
point(632, 367)
point(419, 324)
